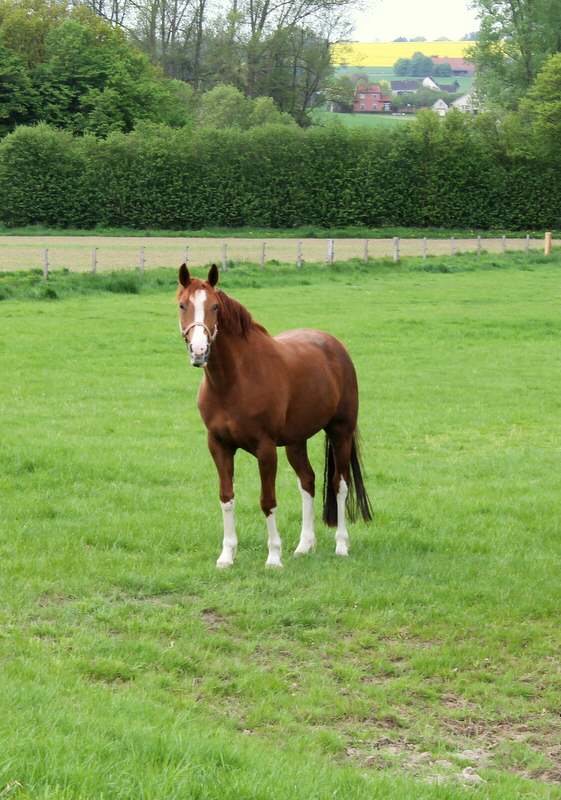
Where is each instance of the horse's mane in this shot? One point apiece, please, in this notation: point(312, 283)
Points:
point(234, 318)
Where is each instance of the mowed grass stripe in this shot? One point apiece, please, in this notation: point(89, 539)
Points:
point(131, 667)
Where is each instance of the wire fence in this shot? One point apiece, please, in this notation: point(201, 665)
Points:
point(105, 254)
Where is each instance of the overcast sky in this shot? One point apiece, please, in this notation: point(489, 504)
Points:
point(387, 19)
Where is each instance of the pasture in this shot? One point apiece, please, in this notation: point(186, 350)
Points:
point(360, 120)
point(426, 665)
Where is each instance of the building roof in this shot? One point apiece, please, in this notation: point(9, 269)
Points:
point(457, 64)
point(404, 86)
point(451, 88)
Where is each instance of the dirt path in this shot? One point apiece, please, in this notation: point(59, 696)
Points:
point(75, 252)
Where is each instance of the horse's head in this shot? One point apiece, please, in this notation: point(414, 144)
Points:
point(198, 313)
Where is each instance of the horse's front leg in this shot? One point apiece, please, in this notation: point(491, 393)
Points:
point(223, 456)
point(267, 458)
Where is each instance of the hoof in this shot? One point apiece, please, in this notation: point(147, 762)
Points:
point(341, 550)
point(223, 564)
point(275, 563)
point(304, 549)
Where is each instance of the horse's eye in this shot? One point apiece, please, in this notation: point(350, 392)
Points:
point(182, 306)
point(215, 307)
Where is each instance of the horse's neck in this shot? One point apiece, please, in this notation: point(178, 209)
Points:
point(227, 354)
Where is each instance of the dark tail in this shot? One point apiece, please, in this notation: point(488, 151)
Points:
point(357, 499)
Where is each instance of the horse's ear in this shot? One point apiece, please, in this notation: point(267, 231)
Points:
point(184, 277)
point(213, 275)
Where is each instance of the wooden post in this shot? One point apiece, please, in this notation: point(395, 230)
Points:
point(224, 257)
point(46, 264)
point(453, 246)
point(263, 250)
point(141, 261)
point(94, 260)
point(548, 241)
point(527, 245)
point(424, 250)
point(365, 255)
point(503, 244)
point(396, 248)
point(478, 244)
point(299, 254)
point(330, 251)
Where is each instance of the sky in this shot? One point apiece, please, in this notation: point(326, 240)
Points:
point(385, 20)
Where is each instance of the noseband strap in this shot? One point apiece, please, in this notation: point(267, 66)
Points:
point(211, 336)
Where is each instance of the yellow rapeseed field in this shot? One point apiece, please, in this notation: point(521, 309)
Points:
point(385, 54)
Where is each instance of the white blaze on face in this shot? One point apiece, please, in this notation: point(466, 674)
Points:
point(199, 338)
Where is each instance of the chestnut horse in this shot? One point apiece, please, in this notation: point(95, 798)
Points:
point(261, 392)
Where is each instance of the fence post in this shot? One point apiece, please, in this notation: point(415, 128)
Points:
point(330, 251)
point(453, 246)
point(503, 244)
point(396, 248)
point(478, 244)
point(46, 264)
point(224, 257)
point(141, 261)
point(299, 254)
point(94, 260)
point(527, 245)
point(424, 247)
point(547, 243)
point(263, 250)
point(365, 255)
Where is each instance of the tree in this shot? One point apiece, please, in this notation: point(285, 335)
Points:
point(224, 107)
point(536, 128)
point(421, 65)
point(341, 92)
point(441, 70)
point(402, 67)
point(515, 39)
point(265, 112)
point(18, 100)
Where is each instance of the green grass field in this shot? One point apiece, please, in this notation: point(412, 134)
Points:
point(426, 665)
point(360, 120)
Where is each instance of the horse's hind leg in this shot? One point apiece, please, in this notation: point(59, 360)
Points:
point(341, 442)
point(297, 455)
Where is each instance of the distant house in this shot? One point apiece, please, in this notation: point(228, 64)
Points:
point(466, 103)
point(369, 99)
point(459, 65)
point(440, 107)
point(404, 87)
point(428, 83)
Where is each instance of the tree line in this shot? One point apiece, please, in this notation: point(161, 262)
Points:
point(103, 65)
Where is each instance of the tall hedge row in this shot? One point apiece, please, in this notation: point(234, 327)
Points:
point(419, 175)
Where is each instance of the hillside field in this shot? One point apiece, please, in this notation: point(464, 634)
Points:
point(385, 54)
point(426, 665)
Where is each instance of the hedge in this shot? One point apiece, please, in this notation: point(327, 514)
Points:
point(424, 174)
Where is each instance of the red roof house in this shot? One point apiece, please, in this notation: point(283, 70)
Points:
point(459, 65)
point(370, 98)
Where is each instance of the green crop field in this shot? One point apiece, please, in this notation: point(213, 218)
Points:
point(426, 665)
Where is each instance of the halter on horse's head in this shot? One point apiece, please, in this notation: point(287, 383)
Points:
point(198, 313)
